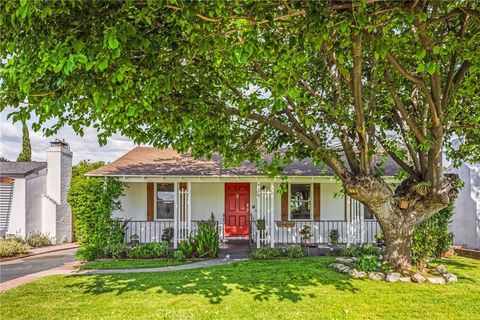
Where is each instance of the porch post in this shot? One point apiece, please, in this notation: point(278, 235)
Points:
point(175, 215)
point(189, 208)
point(362, 223)
point(258, 215)
point(272, 216)
point(348, 210)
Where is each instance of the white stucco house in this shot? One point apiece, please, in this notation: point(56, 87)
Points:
point(33, 195)
point(165, 189)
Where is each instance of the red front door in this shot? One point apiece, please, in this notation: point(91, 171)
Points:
point(237, 209)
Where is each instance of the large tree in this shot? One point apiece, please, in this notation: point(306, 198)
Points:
point(244, 78)
point(26, 153)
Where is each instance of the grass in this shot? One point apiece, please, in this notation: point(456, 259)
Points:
point(129, 264)
point(277, 289)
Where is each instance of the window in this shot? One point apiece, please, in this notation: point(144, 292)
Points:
point(300, 201)
point(367, 213)
point(165, 200)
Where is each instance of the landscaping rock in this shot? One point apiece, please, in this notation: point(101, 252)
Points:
point(392, 277)
point(345, 269)
point(442, 269)
point(361, 274)
point(438, 280)
point(346, 261)
point(379, 276)
point(418, 278)
point(450, 277)
point(404, 279)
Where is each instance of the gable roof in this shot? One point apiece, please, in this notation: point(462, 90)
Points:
point(148, 161)
point(20, 169)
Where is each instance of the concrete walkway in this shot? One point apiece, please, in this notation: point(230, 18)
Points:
point(70, 269)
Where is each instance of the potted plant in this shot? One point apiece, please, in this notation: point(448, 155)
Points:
point(380, 238)
point(134, 240)
point(306, 233)
point(334, 235)
point(167, 234)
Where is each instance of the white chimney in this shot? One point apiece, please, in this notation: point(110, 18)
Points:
point(56, 213)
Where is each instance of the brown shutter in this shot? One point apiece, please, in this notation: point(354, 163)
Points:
point(316, 201)
point(285, 206)
point(150, 201)
point(182, 185)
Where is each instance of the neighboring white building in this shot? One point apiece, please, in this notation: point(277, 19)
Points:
point(33, 195)
point(466, 216)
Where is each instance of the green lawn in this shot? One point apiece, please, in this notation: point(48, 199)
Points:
point(129, 264)
point(279, 289)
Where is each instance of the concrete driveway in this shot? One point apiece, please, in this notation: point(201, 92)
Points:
point(14, 269)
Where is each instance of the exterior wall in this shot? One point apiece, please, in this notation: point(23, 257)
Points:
point(208, 197)
point(134, 202)
point(17, 224)
point(34, 188)
point(466, 218)
point(332, 206)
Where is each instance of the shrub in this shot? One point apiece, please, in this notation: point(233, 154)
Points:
point(116, 251)
point(92, 201)
point(267, 253)
point(149, 251)
point(207, 239)
point(15, 237)
point(367, 249)
point(431, 238)
point(178, 255)
point(187, 247)
point(349, 252)
point(368, 263)
point(296, 252)
point(10, 248)
point(88, 253)
point(37, 240)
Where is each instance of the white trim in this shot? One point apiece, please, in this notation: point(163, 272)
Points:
point(311, 203)
point(175, 216)
point(299, 179)
point(272, 215)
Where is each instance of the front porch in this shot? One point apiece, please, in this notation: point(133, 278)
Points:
point(248, 210)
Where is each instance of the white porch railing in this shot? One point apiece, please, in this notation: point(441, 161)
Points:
point(184, 214)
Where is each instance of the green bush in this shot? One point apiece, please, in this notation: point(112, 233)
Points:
point(267, 253)
point(296, 252)
point(149, 251)
point(431, 238)
point(178, 255)
point(350, 252)
point(92, 201)
point(11, 248)
point(204, 244)
point(37, 240)
point(368, 263)
point(207, 239)
point(17, 238)
point(88, 253)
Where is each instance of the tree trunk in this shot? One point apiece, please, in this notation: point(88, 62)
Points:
point(398, 241)
point(396, 220)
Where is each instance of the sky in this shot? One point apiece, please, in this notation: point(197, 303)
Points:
point(85, 147)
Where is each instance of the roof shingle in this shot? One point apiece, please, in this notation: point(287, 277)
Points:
point(148, 161)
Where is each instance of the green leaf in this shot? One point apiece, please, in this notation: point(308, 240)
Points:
point(116, 53)
point(112, 42)
point(421, 53)
point(130, 112)
point(23, 2)
point(432, 68)
point(238, 52)
point(422, 16)
point(103, 63)
point(81, 58)
point(248, 49)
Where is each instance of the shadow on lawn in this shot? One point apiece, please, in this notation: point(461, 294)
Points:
point(282, 279)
